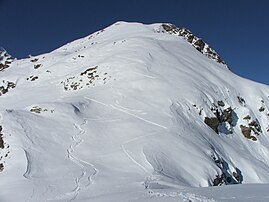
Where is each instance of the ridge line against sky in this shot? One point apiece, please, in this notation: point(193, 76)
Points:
point(236, 29)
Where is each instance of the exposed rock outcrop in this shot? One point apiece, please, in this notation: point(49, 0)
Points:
point(1, 138)
point(228, 175)
point(224, 120)
point(228, 115)
point(196, 42)
point(90, 77)
point(247, 132)
point(7, 85)
point(5, 59)
point(251, 128)
point(213, 123)
point(4, 149)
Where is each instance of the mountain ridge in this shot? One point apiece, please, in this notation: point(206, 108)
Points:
point(196, 42)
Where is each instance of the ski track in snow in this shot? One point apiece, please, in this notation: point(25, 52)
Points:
point(126, 112)
point(27, 174)
point(132, 159)
point(123, 145)
point(184, 197)
point(129, 155)
point(138, 117)
point(88, 170)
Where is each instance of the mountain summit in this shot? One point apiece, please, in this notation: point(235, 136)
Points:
point(132, 112)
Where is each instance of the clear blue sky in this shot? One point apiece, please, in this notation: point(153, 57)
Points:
point(237, 29)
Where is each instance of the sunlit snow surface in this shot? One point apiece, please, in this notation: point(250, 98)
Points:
point(119, 116)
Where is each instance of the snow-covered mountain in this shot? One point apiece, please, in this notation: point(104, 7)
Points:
point(131, 113)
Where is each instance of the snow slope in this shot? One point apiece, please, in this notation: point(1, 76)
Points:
point(131, 113)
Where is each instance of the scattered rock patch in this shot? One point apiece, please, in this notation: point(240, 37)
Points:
point(4, 149)
point(261, 109)
point(1, 138)
point(37, 66)
point(32, 78)
point(225, 178)
point(228, 115)
point(7, 85)
point(224, 120)
point(251, 129)
point(221, 103)
point(88, 78)
point(38, 110)
point(247, 132)
point(241, 100)
point(34, 60)
point(5, 60)
point(247, 117)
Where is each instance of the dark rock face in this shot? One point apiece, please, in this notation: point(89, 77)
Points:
point(6, 87)
point(221, 103)
point(1, 138)
point(196, 42)
point(256, 126)
point(199, 45)
point(226, 177)
point(169, 27)
point(224, 120)
point(228, 115)
point(247, 132)
point(2, 146)
point(213, 123)
point(261, 109)
point(218, 181)
point(247, 117)
point(241, 101)
point(36, 109)
point(37, 66)
point(251, 129)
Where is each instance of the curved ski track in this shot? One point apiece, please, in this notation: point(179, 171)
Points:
point(88, 170)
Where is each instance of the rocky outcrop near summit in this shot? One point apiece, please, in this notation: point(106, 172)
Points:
point(196, 42)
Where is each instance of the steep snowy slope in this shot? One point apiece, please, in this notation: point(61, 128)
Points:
point(129, 113)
